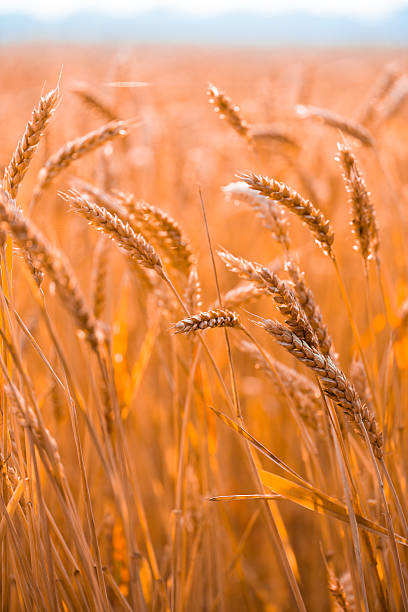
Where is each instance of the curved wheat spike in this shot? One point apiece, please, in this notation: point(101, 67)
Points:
point(348, 126)
point(18, 166)
point(76, 149)
point(334, 382)
point(93, 99)
point(226, 109)
point(280, 291)
point(219, 317)
point(47, 257)
point(305, 394)
point(132, 244)
point(272, 216)
point(288, 197)
point(363, 213)
point(162, 230)
point(309, 305)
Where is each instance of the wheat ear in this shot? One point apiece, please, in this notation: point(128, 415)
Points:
point(272, 216)
point(76, 149)
point(363, 213)
point(309, 305)
point(163, 231)
point(288, 197)
point(334, 382)
point(280, 290)
point(219, 317)
point(227, 110)
point(92, 98)
point(46, 257)
point(18, 166)
point(132, 244)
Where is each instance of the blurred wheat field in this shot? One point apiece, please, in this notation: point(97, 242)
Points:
point(148, 461)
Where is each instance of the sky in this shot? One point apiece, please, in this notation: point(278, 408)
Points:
point(55, 8)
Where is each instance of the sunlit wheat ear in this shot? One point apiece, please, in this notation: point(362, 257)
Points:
point(309, 305)
point(272, 216)
point(219, 317)
point(280, 291)
point(226, 109)
point(288, 197)
point(46, 257)
point(76, 149)
point(163, 231)
point(394, 101)
point(18, 166)
point(92, 98)
point(334, 382)
point(380, 90)
point(363, 213)
point(135, 247)
point(304, 393)
point(348, 126)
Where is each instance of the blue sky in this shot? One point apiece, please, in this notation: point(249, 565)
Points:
point(53, 8)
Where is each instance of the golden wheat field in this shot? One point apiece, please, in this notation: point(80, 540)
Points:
point(151, 460)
